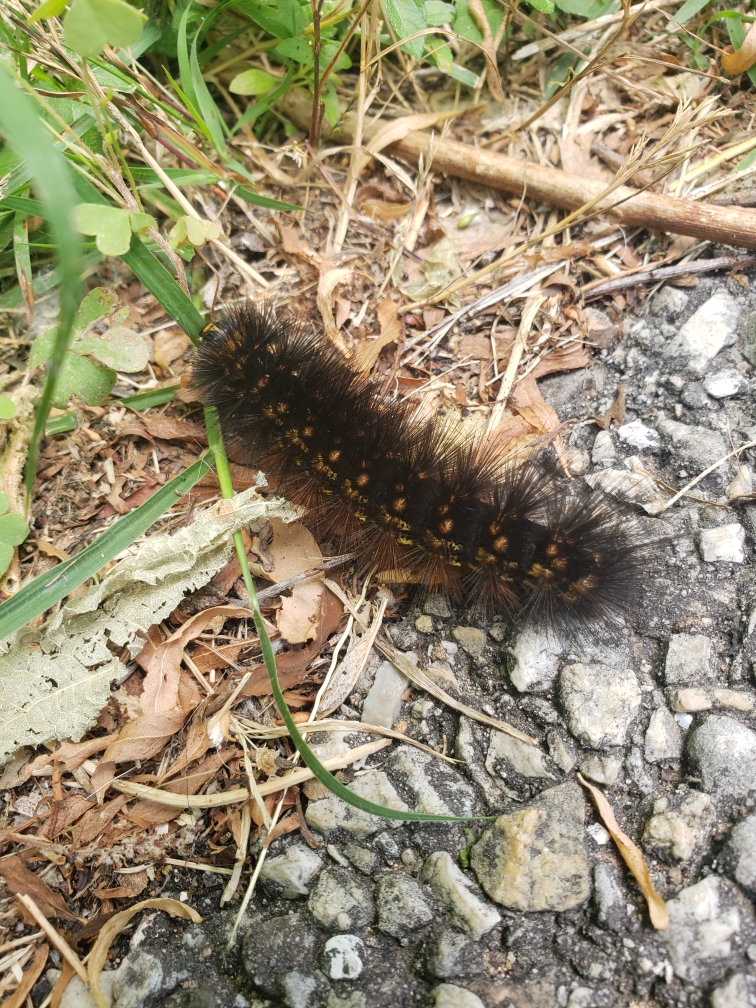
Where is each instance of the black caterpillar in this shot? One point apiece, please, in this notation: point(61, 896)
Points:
point(406, 494)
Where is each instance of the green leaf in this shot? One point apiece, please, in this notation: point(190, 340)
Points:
point(141, 221)
point(438, 13)
point(255, 199)
point(253, 82)
point(4, 502)
point(112, 81)
point(6, 555)
point(13, 529)
point(50, 587)
point(110, 226)
point(42, 348)
point(181, 176)
point(466, 26)
point(97, 303)
point(152, 397)
point(408, 17)
point(331, 102)
point(118, 348)
point(464, 76)
point(285, 20)
point(80, 377)
point(90, 25)
point(7, 408)
point(48, 9)
point(24, 205)
point(689, 10)
point(545, 6)
point(61, 423)
point(205, 102)
point(581, 8)
point(297, 49)
point(257, 109)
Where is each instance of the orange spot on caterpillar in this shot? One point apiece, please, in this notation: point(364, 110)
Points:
point(446, 526)
point(362, 480)
point(399, 504)
point(501, 544)
point(334, 456)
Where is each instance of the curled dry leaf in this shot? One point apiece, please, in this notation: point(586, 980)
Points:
point(293, 551)
point(149, 813)
point(657, 908)
point(21, 881)
point(742, 60)
point(96, 820)
point(172, 429)
point(392, 329)
point(348, 671)
point(169, 345)
point(299, 615)
point(114, 926)
point(326, 286)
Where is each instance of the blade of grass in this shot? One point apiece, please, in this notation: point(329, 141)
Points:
point(55, 584)
point(153, 397)
point(60, 424)
point(21, 126)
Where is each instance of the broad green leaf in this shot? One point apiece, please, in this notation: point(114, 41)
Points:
point(50, 587)
point(42, 348)
point(296, 49)
point(331, 101)
point(110, 225)
point(141, 221)
point(328, 51)
point(438, 13)
point(257, 109)
point(95, 304)
point(545, 6)
point(118, 348)
point(80, 377)
point(581, 8)
point(465, 24)
point(61, 423)
point(689, 10)
point(13, 529)
point(6, 555)
point(464, 76)
point(7, 408)
point(293, 16)
point(48, 9)
point(4, 502)
point(110, 80)
point(190, 231)
point(90, 25)
point(152, 397)
point(408, 17)
point(271, 20)
point(253, 82)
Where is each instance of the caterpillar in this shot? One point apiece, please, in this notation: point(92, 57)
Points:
point(407, 494)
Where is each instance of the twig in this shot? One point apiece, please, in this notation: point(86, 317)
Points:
point(706, 472)
point(598, 287)
point(529, 312)
point(57, 940)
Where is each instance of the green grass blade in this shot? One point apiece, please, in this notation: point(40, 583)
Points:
point(24, 132)
point(55, 584)
point(264, 201)
point(23, 205)
point(153, 397)
point(205, 103)
point(60, 424)
point(44, 282)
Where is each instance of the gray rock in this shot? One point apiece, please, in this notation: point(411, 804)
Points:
point(603, 452)
point(436, 605)
point(638, 436)
point(452, 996)
point(748, 341)
point(430, 785)
point(725, 543)
point(404, 636)
point(724, 753)
point(536, 655)
point(739, 854)
point(694, 396)
point(469, 913)
point(560, 752)
point(722, 384)
point(713, 326)
point(343, 956)
point(384, 697)
point(341, 901)
point(602, 769)
point(600, 703)
point(402, 903)
point(738, 992)
point(697, 447)
point(448, 953)
point(710, 926)
point(332, 813)
point(507, 755)
point(680, 825)
point(663, 740)
point(266, 951)
point(304, 990)
point(580, 997)
point(689, 659)
point(363, 859)
point(533, 858)
point(291, 874)
point(471, 640)
point(637, 771)
point(670, 301)
point(609, 896)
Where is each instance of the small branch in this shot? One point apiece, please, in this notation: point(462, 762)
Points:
point(598, 287)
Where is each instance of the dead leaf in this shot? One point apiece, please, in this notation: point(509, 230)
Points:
point(197, 744)
point(51, 550)
point(615, 412)
point(567, 358)
point(169, 346)
point(133, 884)
point(348, 670)
point(526, 398)
point(149, 813)
point(171, 429)
point(299, 615)
point(293, 550)
point(657, 908)
point(19, 996)
point(21, 881)
point(742, 60)
point(328, 282)
point(73, 754)
point(392, 328)
point(95, 821)
point(65, 814)
point(116, 924)
point(294, 243)
point(61, 983)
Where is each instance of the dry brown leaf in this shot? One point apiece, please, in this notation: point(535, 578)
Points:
point(49, 549)
point(397, 129)
point(133, 884)
point(615, 412)
point(148, 813)
point(392, 328)
point(65, 814)
point(116, 924)
point(742, 60)
point(348, 670)
point(566, 358)
point(299, 615)
point(169, 345)
point(295, 244)
point(197, 744)
point(526, 398)
point(328, 282)
point(657, 908)
point(95, 821)
point(73, 754)
point(293, 550)
point(61, 983)
point(30, 977)
point(21, 881)
point(171, 429)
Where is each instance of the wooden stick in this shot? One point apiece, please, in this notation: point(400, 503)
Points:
point(727, 225)
point(55, 939)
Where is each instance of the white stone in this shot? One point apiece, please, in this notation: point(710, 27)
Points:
point(741, 852)
point(742, 485)
point(670, 300)
point(678, 832)
point(688, 659)
point(602, 769)
point(599, 834)
point(342, 955)
point(632, 487)
point(292, 873)
point(707, 331)
point(603, 452)
point(694, 446)
point(522, 758)
point(690, 701)
point(724, 543)
point(663, 737)
point(738, 992)
point(452, 888)
point(340, 900)
point(331, 813)
point(384, 697)
point(638, 435)
point(536, 660)
point(600, 703)
point(723, 384)
point(684, 720)
point(580, 997)
point(451, 996)
point(735, 699)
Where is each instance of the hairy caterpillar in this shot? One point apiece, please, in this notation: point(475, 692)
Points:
point(404, 493)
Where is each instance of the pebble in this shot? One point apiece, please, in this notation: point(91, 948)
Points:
point(507, 755)
point(436, 605)
point(663, 739)
point(709, 923)
point(739, 854)
point(603, 452)
point(537, 655)
point(471, 640)
point(670, 301)
point(697, 447)
point(332, 813)
point(735, 699)
point(632, 487)
point(738, 992)
point(598, 833)
point(384, 699)
point(533, 858)
point(403, 636)
point(559, 752)
point(689, 659)
point(469, 913)
point(450, 996)
point(748, 341)
point(362, 858)
point(638, 435)
point(600, 703)
point(402, 904)
point(341, 901)
point(436, 787)
point(713, 326)
point(724, 753)
point(602, 769)
point(304, 990)
point(690, 700)
point(722, 384)
point(449, 953)
point(291, 874)
point(679, 825)
point(266, 951)
point(424, 624)
point(742, 485)
point(724, 543)
point(609, 896)
point(684, 720)
point(342, 956)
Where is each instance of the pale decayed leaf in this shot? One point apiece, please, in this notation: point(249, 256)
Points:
point(299, 615)
point(55, 681)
